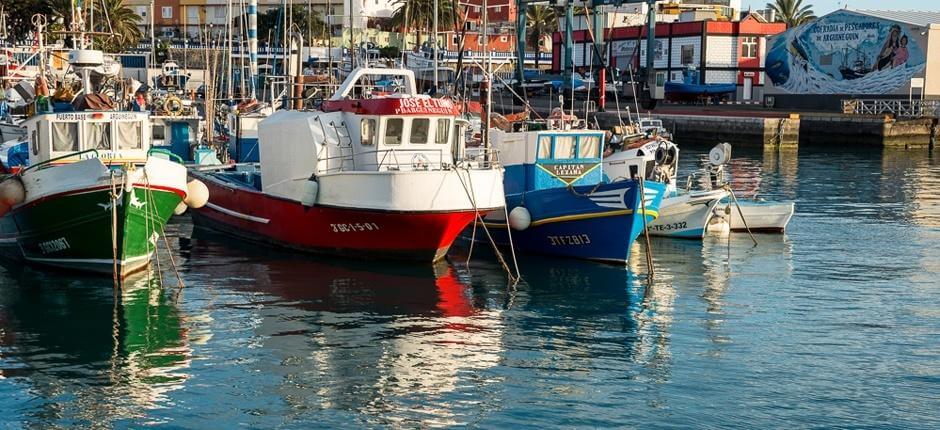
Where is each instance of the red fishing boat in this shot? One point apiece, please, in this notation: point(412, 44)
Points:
point(366, 176)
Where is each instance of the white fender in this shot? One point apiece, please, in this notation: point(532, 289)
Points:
point(12, 192)
point(180, 208)
point(519, 218)
point(311, 189)
point(197, 194)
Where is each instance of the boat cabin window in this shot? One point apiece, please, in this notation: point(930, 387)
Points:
point(564, 147)
point(443, 127)
point(545, 147)
point(98, 135)
point(157, 132)
point(589, 146)
point(367, 132)
point(128, 135)
point(419, 130)
point(65, 137)
point(569, 146)
point(394, 129)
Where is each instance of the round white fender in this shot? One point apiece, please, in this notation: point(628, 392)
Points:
point(12, 192)
point(197, 194)
point(519, 218)
point(180, 208)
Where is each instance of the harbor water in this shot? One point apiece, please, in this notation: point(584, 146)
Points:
point(835, 324)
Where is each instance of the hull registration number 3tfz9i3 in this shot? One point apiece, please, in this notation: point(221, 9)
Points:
point(576, 239)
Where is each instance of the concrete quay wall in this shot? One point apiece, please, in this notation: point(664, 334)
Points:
point(711, 129)
point(845, 130)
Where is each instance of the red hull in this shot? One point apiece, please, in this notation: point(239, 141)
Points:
point(354, 232)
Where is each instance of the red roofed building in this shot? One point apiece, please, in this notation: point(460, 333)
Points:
point(722, 52)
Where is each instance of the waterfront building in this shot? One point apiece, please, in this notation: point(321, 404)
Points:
point(175, 18)
point(854, 54)
point(713, 52)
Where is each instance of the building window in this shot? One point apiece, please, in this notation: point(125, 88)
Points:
point(221, 12)
point(498, 9)
point(749, 47)
point(476, 9)
point(688, 54)
point(167, 12)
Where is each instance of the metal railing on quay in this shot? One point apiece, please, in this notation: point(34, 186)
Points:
point(898, 107)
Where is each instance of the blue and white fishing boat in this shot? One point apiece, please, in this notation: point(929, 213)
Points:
point(561, 202)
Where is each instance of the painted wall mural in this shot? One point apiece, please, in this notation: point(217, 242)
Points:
point(845, 53)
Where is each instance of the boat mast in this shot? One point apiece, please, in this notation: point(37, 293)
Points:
point(252, 44)
point(435, 46)
point(228, 75)
point(487, 77)
point(153, 40)
point(352, 44)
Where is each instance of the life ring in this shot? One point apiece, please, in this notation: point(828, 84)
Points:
point(420, 162)
point(173, 106)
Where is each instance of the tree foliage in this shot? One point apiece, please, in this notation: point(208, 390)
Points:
point(417, 15)
point(540, 20)
point(792, 12)
point(309, 23)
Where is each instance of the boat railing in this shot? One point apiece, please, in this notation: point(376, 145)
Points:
point(388, 159)
point(165, 153)
point(47, 163)
point(481, 158)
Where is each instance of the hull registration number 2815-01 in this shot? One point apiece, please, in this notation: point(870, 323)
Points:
point(575, 239)
point(353, 227)
point(669, 227)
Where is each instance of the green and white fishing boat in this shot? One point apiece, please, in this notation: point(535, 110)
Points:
point(93, 196)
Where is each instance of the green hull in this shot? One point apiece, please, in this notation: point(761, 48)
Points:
point(74, 230)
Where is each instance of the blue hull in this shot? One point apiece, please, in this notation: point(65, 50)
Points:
point(595, 224)
point(699, 89)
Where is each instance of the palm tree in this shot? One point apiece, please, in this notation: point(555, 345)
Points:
point(540, 21)
point(112, 16)
point(418, 15)
point(792, 12)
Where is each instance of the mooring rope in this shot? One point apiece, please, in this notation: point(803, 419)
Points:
point(114, 252)
point(478, 218)
point(646, 232)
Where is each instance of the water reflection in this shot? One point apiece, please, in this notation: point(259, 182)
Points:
point(90, 355)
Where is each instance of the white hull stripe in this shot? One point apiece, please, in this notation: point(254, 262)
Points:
point(88, 260)
point(238, 214)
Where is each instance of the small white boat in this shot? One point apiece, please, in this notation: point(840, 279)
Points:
point(686, 215)
point(682, 214)
point(762, 217)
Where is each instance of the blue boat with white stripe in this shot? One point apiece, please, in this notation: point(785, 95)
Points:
point(561, 202)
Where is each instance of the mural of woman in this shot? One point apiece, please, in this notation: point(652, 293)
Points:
point(886, 57)
point(901, 54)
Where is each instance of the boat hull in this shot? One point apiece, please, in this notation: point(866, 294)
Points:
point(360, 233)
point(686, 216)
point(590, 223)
point(73, 230)
point(761, 217)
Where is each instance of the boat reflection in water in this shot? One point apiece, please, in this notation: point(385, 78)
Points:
point(374, 337)
point(90, 355)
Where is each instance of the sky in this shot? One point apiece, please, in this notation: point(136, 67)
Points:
point(822, 7)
